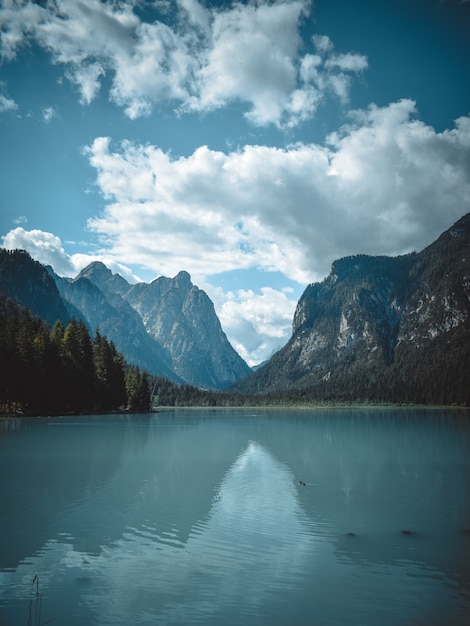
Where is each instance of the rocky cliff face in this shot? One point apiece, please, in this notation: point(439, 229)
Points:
point(181, 319)
point(168, 327)
point(382, 328)
point(116, 320)
point(28, 284)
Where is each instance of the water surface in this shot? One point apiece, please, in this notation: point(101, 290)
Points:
point(328, 517)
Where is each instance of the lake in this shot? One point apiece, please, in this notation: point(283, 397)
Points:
point(221, 517)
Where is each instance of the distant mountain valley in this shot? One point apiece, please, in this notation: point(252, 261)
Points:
point(379, 329)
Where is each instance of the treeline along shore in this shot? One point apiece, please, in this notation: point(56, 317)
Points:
point(60, 369)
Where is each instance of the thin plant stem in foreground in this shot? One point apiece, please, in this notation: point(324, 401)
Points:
point(35, 605)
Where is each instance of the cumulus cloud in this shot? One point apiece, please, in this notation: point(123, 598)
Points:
point(43, 247)
point(48, 114)
point(49, 250)
point(202, 206)
point(386, 183)
point(202, 59)
point(257, 324)
point(253, 50)
point(7, 104)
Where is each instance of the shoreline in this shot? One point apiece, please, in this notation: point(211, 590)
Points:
point(255, 407)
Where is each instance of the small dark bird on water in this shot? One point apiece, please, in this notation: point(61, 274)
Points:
point(302, 483)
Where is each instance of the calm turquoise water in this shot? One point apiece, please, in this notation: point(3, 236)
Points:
point(199, 517)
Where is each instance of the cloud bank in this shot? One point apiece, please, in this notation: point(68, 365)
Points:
point(43, 247)
point(385, 184)
point(186, 54)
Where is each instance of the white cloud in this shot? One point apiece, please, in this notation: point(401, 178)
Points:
point(257, 324)
point(7, 104)
point(252, 58)
point(204, 60)
point(87, 78)
point(49, 250)
point(203, 206)
point(385, 184)
point(17, 22)
point(197, 14)
point(48, 114)
point(322, 43)
point(43, 247)
point(347, 62)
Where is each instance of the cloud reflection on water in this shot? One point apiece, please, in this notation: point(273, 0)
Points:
point(242, 550)
point(225, 533)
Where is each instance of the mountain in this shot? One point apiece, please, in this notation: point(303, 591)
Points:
point(116, 320)
point(381, 329)
point(180, 318)
point(28, 284)
point(168, 327)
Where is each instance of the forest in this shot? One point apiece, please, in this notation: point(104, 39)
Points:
point(60, 369)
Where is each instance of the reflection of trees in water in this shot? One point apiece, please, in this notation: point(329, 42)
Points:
point(8, 424)
point(378, 472)
point(99, 480)
point(212, 505)
point(53, 465)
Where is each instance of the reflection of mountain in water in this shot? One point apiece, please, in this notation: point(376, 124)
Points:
point(207, 513)
point(258, 504)
point(253, 540)
point(94, 480)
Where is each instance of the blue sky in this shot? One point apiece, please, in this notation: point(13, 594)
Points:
point(248, 143)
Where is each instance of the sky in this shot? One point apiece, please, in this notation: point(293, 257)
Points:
point(248, 143)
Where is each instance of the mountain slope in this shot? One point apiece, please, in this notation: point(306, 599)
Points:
point(28, 284)
point(381, 328)
point(181, 319)
point(168, 327)
point(116, 320)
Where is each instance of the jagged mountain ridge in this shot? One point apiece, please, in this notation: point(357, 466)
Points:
point(168, 327)
point(377, 328)
point(27, 283)
point(381, 328)
point(182, 320)
point(116, 320)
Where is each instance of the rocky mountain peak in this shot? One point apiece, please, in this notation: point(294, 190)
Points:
point(103, 278)
point(382, 328)
point(183, 280)
point(182, 319)
point(94, 270)
point(30, 284)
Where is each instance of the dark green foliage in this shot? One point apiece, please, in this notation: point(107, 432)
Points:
point(30, 285)
point(167, 393)
point(59, 369)
point(109, 374)
point(137, 389)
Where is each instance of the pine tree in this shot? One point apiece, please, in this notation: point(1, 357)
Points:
point(138, 389)
point(109, 374)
